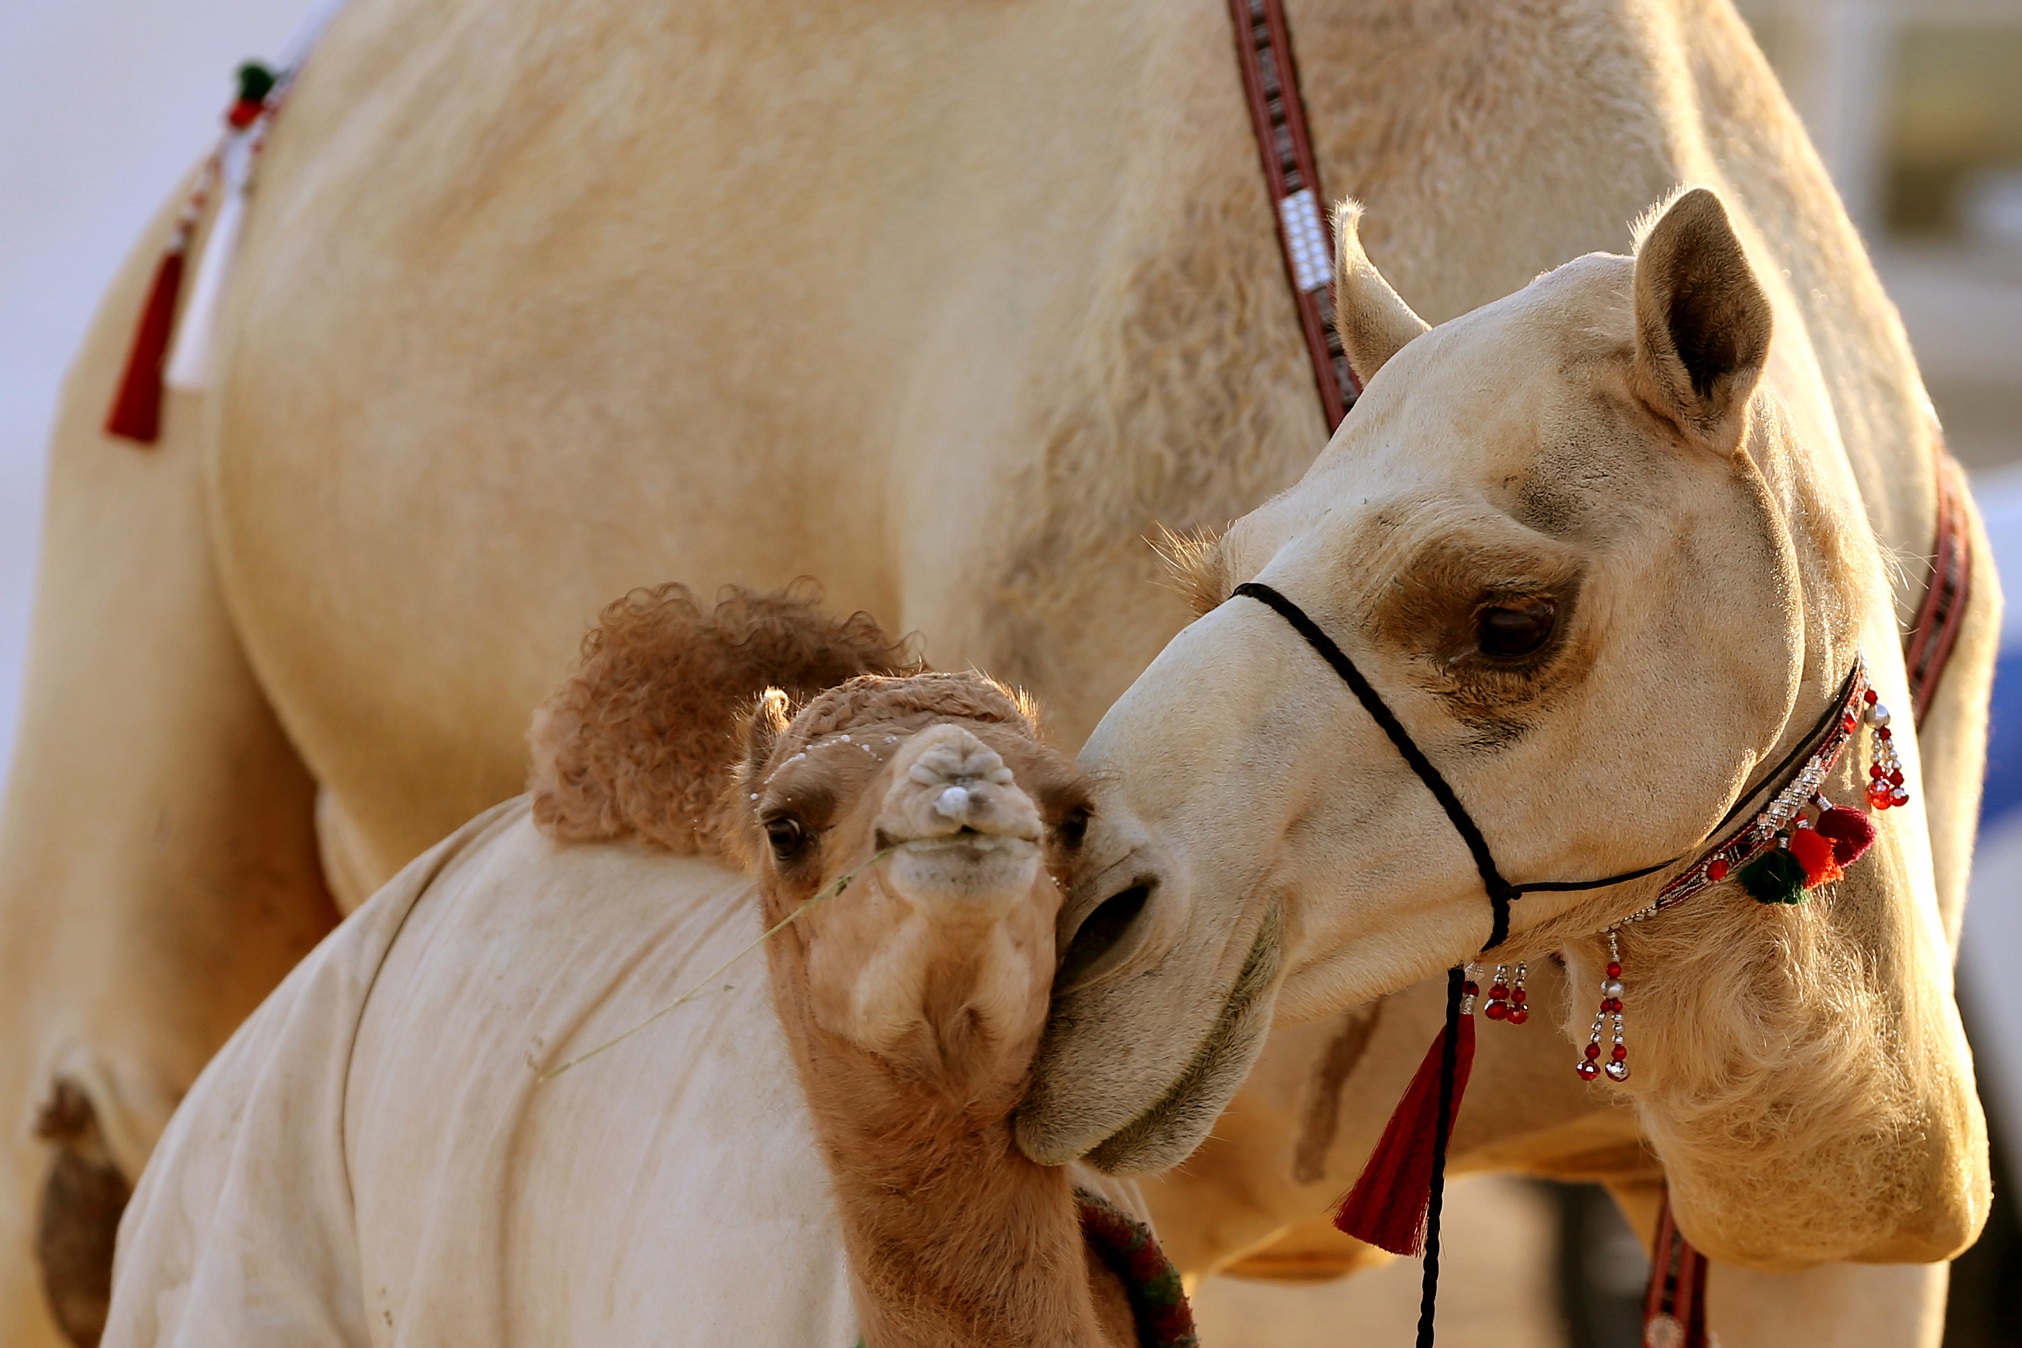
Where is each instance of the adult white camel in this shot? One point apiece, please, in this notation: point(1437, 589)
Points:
point(1513, 540)
point(936, 302)
point(851, 1180)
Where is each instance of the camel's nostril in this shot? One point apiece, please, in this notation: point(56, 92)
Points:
point(1102, 932)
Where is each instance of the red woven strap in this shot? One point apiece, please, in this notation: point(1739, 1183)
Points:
point(1674, 1309)
point(1305, 238)
point(1931, 637)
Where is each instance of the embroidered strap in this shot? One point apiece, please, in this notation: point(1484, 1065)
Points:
point(1306, 241)
point(1928, 645)
point(1158, 1301)
point(1674, 1307)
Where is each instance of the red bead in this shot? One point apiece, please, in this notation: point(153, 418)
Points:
point(1499, 991)
point(1896, 777)
point(1875, 770)
point(1612, 1005)
point(1517, 1015)
point(1884, 733)
point(1587, 1070)
point(1593, 1050)
point(1847, 723)
point(1517, 995)
point(1869, 697)
point(1495, 1010)
point(1718, 870)
point(1619, 1052)
point(1614, 969)
point(1471, 988)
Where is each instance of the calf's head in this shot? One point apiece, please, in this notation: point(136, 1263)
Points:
point(927, 822)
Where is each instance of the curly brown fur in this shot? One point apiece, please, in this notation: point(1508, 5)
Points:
point(641, 740)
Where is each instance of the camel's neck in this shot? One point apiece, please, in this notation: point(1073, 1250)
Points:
point(953, 1236)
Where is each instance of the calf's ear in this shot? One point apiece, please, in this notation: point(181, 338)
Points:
point(760, 729)
point(1702, 320)
point(1373, 322)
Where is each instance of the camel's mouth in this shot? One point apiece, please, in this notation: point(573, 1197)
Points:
point(1182, 1116)
point(968, 867)
point(967, 840)
point(1184, 1104)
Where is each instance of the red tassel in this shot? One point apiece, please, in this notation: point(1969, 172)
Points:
point(136, 410)
point(1852, 833)
point(1386, 1208)
point(1815, 852)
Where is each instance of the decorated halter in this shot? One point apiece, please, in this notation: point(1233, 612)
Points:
point(1796, 841)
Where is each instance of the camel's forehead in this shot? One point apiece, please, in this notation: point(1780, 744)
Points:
point(1507, 416)
point(1486, 394)
point(1579, 312)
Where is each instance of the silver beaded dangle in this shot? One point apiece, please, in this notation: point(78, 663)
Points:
point(1617, 1065)
point(1506, 996)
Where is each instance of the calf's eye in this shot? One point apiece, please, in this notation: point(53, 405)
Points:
point(1515, 627)
point(786, 834)
point(1072, 828)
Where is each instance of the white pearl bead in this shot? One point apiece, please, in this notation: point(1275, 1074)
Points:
point(1878, 716)
point(1611, 988)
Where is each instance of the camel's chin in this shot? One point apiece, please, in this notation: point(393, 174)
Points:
point(1166, 1113)
point(968, 874)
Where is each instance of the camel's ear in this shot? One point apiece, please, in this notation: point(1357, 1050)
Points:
point(1373, 322)
point(763, 725)
point(1702, 320)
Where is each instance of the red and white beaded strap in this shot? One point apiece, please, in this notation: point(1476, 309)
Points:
point(1815, 851)
point(1759, 834)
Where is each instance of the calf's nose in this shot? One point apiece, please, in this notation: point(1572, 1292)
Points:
point(951, 781)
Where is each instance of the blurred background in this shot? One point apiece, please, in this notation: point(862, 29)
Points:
point(1916, 107)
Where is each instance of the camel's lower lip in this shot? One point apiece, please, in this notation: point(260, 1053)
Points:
point(1166, 1131)
point(968, 842)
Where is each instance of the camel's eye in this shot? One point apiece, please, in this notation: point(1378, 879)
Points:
point(1072, 828)
point(787, 835)
point(1514, 628)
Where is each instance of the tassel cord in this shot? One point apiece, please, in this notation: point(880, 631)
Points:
point(1449, 1063)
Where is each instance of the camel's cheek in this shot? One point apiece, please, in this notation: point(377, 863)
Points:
point(866, 969)
point(883, 969)
point(1013, 976)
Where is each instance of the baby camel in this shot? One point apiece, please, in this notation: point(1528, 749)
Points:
point(824, 1160)
point(914, 1000)
point(904, 832)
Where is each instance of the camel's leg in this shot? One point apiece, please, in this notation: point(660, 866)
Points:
point(1833, 1306)
point(158, 870)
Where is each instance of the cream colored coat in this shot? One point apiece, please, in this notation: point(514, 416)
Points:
point(372, 1159)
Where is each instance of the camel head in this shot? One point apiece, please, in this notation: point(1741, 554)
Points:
point(1595, 550)
point(927, 822)
point(1551, 537)
point(923, 810)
